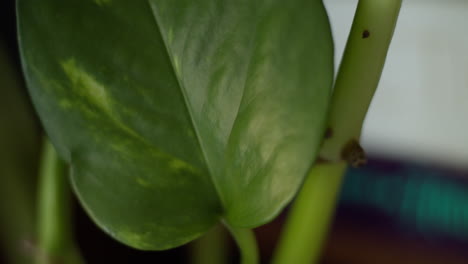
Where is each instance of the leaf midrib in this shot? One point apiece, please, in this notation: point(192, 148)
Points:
point(187, 104)
point(182, 91)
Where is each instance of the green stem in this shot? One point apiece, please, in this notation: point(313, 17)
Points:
point(359, 73)
point(356, 82)
point(307, 224)
point(55, 232)
point(211, 248)
point(245, 239)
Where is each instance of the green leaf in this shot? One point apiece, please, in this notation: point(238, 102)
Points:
point(174, 114)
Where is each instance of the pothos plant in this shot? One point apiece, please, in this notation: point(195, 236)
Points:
point(174, 116)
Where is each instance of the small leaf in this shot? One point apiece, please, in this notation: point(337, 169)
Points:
point(174, 114)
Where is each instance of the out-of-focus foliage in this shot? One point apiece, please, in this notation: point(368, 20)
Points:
point(19, 137)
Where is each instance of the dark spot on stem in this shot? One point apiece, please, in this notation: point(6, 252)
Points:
point(365, 34)
point(328, 133)
point(321, 160)
point(354, 154)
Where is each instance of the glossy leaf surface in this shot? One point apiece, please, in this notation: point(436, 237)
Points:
point(174, 114)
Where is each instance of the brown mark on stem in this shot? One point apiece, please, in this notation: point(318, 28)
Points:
point(321, 160)
point(365, 34)
point(354, 154)
point(328, 133)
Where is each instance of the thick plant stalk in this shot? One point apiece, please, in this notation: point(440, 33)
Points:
point(357, 79)
point(306, 227)
point(55, 234)
point(359, 74)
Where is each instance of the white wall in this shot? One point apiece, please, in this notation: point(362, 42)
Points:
point(420, 110)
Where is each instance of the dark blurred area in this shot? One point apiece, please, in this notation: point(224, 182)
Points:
point(19, 138)
point(395, 212)
point(389, 211)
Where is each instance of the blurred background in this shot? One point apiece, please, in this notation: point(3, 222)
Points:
point(408, 205)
